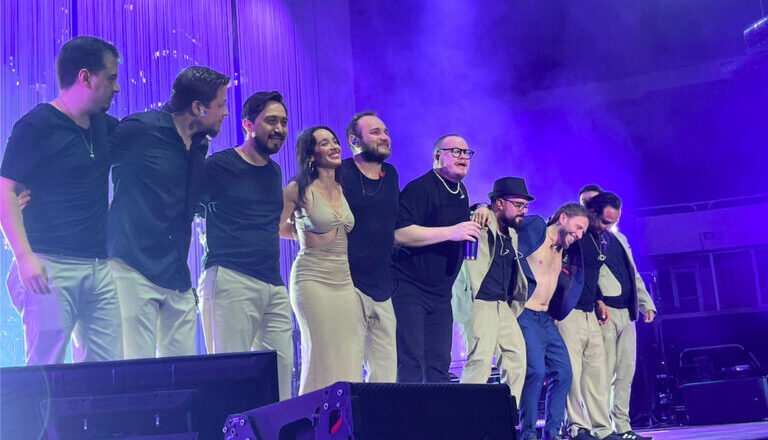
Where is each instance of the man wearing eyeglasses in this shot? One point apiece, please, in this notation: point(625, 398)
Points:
point(432, 222)
point(490, 292)
point(621, 294)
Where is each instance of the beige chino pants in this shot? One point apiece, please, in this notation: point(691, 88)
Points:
point(493, 329)
point(589, 397)
point(241, 313)
point(620, 344)
point(380, 352)
point(157, 322)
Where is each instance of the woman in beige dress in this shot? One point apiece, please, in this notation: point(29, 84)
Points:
point(322, 295)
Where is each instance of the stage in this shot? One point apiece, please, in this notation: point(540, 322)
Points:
point(742, 431)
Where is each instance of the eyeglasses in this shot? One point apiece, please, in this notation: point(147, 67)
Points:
point(522, 206)
point(457, 152)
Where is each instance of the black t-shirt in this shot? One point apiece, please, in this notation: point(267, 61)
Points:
point(158, 184)
point(502, 273)
point(426, 202)
point(242, 216)
point(589, 246)
point(618, 264)
point(50, 155)
point(374, 204)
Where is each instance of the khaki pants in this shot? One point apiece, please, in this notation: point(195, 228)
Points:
point(380, 356)
point(620, 351)
point(493, 328)
point(242, 313)
point(157, 322)
point(588, 399)
point(82, 300)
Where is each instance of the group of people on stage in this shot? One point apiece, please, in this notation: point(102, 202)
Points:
point(378, 282)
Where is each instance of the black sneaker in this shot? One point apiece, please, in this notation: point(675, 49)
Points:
point(613, 436)
point(584, 434)
point(632, 435)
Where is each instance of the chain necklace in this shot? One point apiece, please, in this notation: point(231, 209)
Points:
point(503, 251)
point(458, 187)
point(89, 143)
point(362, 184)
point(602, 256)
point(62, 106)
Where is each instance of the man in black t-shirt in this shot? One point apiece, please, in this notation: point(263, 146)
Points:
point(60, 280)
point(622, 294)
point(432, 223)
point(372, 190)
point(158, 180)
point(244, 300)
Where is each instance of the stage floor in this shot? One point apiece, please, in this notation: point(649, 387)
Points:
point(744, 431)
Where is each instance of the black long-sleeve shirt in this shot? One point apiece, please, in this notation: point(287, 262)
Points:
point(157, 186)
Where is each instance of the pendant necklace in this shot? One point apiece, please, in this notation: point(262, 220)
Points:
point(601, 256)
point(89, 145)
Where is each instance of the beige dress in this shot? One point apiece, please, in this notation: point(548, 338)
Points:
point(324, 301)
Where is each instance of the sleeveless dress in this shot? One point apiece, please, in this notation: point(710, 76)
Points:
point(324, 300)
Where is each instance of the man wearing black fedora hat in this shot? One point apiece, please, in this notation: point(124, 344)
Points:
point(490, 292)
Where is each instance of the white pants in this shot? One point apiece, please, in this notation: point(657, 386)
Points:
point(380, 355)
point(157, 322)
point(242, 313)
point(82, 299)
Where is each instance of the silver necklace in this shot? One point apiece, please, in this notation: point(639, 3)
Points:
point(602, 256)
point(61, 106)
point(362, 185)
point(503, 250)
point(89, 144)
point(458, 186)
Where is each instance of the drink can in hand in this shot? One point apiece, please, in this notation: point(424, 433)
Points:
point(470, 250)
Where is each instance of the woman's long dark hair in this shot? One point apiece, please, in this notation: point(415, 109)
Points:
point(305, 148)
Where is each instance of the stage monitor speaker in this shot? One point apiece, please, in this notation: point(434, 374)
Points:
point(375, 411)
point(726, 401)
point(179, 398)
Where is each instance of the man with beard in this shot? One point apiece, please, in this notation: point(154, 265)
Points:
point(554, 286)
point(622, 293)
point(158, 176)
point(490, 292)
point(588, 398)
point(372, 191)
point(60, 281)
point(432, 222)
point(244, 300)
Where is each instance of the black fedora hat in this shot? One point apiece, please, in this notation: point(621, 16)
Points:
point(509, 186)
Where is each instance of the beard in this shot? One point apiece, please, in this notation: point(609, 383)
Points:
point(514, 222)
point(265, 148)
point(374, 154)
